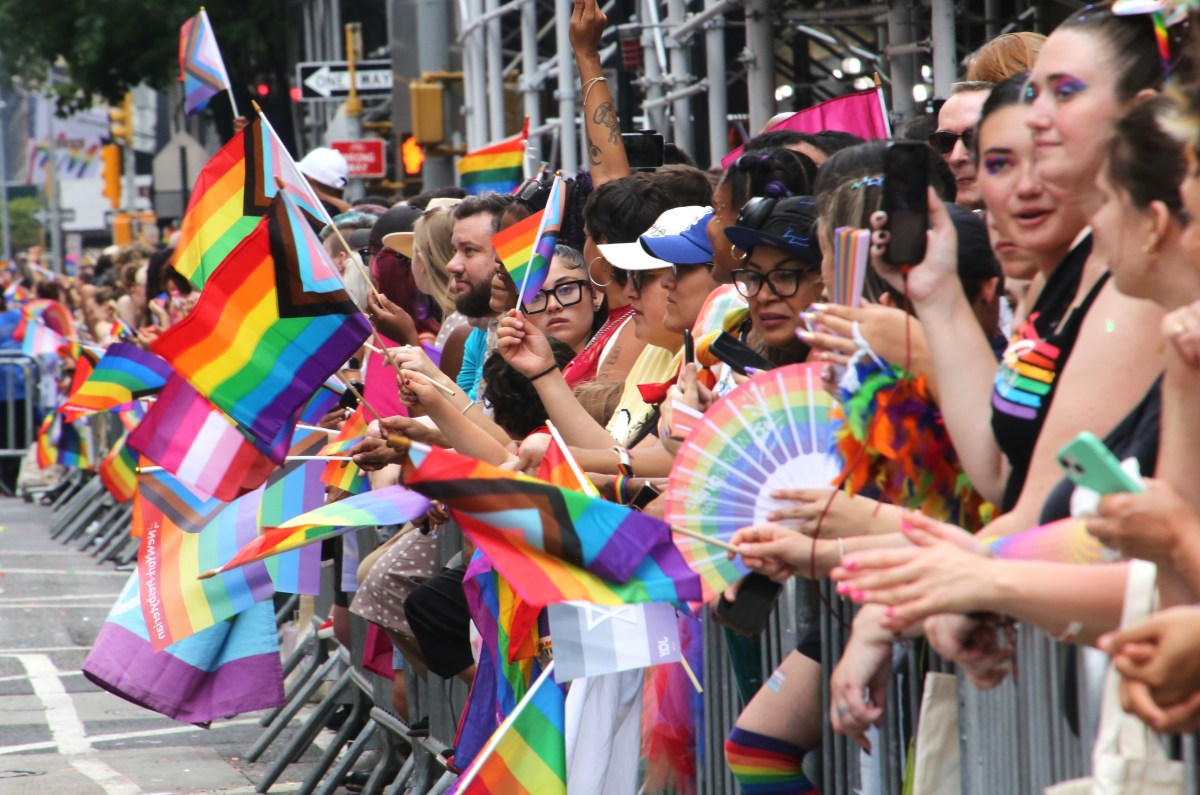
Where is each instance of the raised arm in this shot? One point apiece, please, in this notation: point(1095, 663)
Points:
point(606, 151)
point(962, 358)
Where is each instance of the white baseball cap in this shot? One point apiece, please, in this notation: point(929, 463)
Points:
point(327, 166)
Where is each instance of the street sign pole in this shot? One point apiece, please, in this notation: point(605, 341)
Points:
point(356, 187)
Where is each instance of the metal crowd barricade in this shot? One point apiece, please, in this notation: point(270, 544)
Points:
point(20, 379)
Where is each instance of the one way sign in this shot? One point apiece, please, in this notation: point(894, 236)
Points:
point(331, 79)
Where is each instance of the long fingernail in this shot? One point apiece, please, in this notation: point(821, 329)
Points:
point(751, 370)
point(817, 306)
point(890, 612)
point(849, 564)
point(805, 335)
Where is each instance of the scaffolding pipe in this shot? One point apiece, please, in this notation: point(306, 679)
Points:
point(901, 67)
point(654, 114)
point(831, 16)
point(655, 26)
point(712, 11)
point(568, 139)
point(492, 13)
point(681, 112)
point(760, 63)
point(718, 99)
point(530, 89)
point(945, 47)
point(495, 72)
point(675, 96)
point(475, 85)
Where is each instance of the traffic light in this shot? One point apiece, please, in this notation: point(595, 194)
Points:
point(120, 121)
point(110, 158)
point(428, 114)
point(412, 156)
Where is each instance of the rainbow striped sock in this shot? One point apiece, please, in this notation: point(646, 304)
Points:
point(766, 765)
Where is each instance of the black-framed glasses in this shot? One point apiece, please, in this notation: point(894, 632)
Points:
point(943, 141)
point(365, 253)
point(566, 293)
point(639, 279)
point(784, 282)
point(755, 212)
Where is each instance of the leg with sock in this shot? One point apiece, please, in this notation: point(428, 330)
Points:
point(766, 765)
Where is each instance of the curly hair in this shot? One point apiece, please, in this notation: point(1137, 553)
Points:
point(512, 397)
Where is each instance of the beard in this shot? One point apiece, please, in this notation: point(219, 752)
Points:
point(477, 302)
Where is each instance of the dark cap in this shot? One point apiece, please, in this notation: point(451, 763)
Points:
point(397, 219)
point(789, 225)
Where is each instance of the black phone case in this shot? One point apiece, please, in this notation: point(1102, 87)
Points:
point(737, 354)
point(749, 614)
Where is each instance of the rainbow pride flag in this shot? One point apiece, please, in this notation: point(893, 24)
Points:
point(346, 475)
point(496, 168)
point(189, 438)
point(272, 324)
point(118, 470)
point(526, 247)
point(556, 468)
point(391, 505)
point(47, 440)
point(529, 757)
point(201, 67)
point(52, 314)
point(234, 189)
point(182, 537)
point(124, 374)
point(294, 489)
point(553, 544)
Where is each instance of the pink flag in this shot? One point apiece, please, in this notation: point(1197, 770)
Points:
point(861, 113)
point(380, 387)
point(189, 438)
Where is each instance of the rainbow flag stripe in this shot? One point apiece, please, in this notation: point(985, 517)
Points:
point(496, 168)
point(293, 490)
point(530, 757)
point(201, 67)
point(345, 475)
point(40, 340)
point(515, 246)
point(124, 374)
point(391, 505)
point(181, 538)
point(118, 471)
point(272, 324)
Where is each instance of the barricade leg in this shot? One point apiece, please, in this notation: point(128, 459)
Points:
point(291, 710)
point(335, 779)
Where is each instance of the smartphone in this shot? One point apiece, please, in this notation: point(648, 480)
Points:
point(689, 347)
point(905, 200)
point(644, 150)
point(756, 598)
point(737, 354)
point(1089, 463)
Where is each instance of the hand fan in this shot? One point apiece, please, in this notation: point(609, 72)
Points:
point(772, 432)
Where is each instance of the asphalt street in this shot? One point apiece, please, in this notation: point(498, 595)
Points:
point(62, 735)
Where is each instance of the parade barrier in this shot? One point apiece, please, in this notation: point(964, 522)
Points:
point(1032, 731)
point(20, 379)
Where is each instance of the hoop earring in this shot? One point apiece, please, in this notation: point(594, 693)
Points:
point(592, 279)
point(737, 253)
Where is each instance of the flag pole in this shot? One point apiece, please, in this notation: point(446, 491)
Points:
point(473, 771)
point(590, 488)
point(887, 122)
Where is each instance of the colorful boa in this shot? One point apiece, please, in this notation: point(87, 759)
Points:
point(891, 434)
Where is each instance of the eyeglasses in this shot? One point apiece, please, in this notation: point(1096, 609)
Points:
point(784, 282)
point(756, 212)
point(567, 294)
point(943, 141)
point(639, 279)
point(366, 253)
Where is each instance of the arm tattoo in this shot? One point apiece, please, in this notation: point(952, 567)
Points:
point(606, 116)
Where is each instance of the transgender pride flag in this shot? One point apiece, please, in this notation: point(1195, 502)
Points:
point(200, 65)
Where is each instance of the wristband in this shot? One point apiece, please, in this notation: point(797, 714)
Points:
point(547, 371)
point(624, 462)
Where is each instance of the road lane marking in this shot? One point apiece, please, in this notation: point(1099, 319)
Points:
point(134, 735)
point(67, 572)
point(70, 736)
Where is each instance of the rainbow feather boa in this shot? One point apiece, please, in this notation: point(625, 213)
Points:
point(891, 435)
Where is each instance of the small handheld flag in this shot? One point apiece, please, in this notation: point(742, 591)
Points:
point(201, 67)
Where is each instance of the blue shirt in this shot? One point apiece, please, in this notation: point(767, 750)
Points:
point(8, 326)
point(474, 353)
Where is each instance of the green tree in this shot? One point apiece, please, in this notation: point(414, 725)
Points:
point(111, 45)
point(25, 229)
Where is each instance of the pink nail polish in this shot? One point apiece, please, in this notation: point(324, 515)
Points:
point(857, 596)
point(849, 564)
point(842, 588)
point(890, 612)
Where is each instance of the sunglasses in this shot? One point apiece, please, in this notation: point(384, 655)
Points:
point(679, 270)
point(943, 141)
point(639, 279)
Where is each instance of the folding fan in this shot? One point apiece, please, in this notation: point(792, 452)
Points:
point(851, 250)
point(772, 432)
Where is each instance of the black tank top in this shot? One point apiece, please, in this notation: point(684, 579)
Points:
point(1028, 374)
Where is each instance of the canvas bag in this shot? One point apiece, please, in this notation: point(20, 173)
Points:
point(1128, 758)
point(936, 754)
